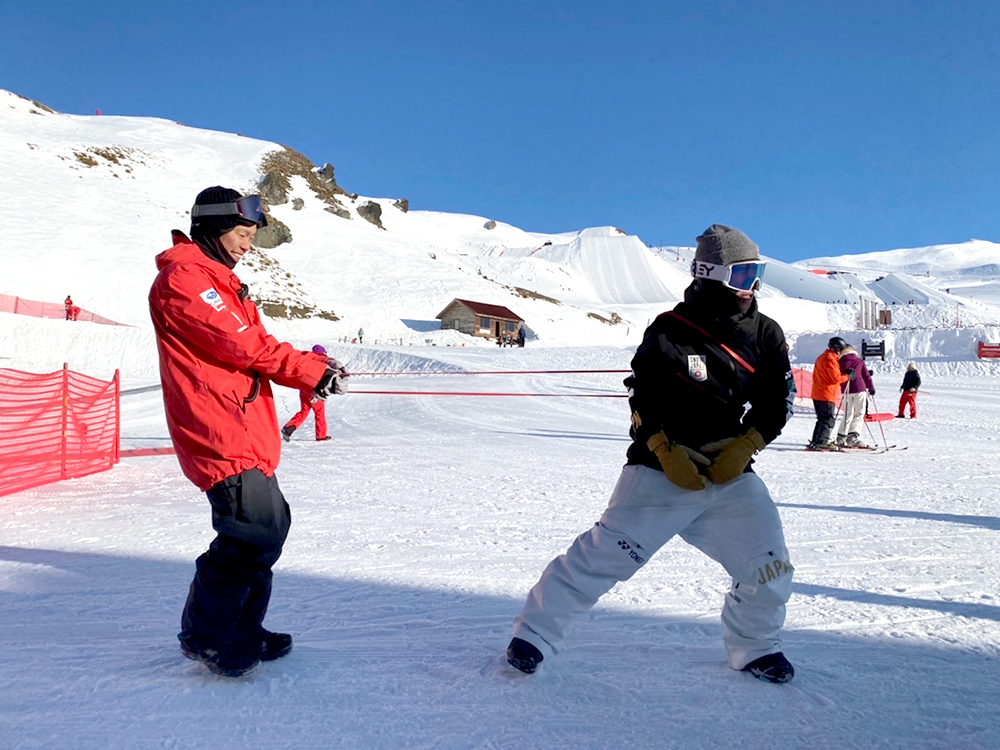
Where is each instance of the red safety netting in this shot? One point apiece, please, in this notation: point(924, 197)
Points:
point(55, 426)
point(804, 384)
point(36, 309)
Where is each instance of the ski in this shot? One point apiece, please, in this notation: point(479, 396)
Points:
point(874, 449)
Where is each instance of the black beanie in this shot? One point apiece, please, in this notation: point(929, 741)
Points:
point(206, 230)
point(208, 226)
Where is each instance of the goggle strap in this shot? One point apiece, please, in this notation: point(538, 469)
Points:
point(216, 209)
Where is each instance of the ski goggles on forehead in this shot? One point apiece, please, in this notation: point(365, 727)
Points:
point(740, 277)
point(248, 208)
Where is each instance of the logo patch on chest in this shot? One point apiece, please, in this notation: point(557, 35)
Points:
point(697, 367)
point(212, 297)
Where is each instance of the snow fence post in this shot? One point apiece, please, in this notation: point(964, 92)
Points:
point(65, 419)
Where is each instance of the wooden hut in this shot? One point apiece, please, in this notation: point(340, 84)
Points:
point(480, 319)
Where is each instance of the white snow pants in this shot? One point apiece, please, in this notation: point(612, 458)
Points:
point(736, 524)
point(853, 405)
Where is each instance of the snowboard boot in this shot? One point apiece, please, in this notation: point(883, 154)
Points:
point(771, 668)
point(274, 645)
point(523, 656)
point(286, 432)
point(233, 659)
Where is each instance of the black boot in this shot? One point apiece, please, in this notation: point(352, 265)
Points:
point(274, 645)
point(523, 656)
point(286, 432)
point(771, 668)
point(233, 658)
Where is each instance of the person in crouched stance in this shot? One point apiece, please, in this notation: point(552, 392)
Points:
point(216, 365)
point(688, 467)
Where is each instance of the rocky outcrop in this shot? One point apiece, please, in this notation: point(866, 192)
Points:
point(402, 204)
point(274, 234)
point(273, 188)
point(278, 166)
point(340, 211)
point(371, 212)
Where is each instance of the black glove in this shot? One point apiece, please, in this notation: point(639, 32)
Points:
point(872, 390)
point(851, 374)
point(329, 384)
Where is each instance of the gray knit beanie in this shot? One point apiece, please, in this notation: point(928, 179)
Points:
point(724, 246)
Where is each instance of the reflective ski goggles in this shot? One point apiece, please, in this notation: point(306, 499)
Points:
point(740, 277)
point(248, 208)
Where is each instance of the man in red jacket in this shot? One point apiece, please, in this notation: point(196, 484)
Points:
point(216, 365)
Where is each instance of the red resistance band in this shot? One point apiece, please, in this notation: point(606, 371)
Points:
point(728, 351)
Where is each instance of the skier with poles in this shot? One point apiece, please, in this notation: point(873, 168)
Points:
point(688, 468)
point(855, 400)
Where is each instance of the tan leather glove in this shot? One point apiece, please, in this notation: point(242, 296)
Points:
point(678, 462)
point(734, 455)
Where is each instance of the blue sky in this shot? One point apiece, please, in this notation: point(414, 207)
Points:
point(817, 128)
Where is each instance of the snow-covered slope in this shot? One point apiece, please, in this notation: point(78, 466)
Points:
point(968, 270)
point(90, 201)
point(421, 526)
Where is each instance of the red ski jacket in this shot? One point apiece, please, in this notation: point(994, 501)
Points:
point(216, 364)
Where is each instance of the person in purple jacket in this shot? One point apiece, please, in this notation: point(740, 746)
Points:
point(856, 390)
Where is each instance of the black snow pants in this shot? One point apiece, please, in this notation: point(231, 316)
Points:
point(826, 418)
point(232, 583)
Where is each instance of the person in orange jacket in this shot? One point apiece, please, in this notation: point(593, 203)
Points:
point(217, 363)
point(310, 402)
point(826, 383)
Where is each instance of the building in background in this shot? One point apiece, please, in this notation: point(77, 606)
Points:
point(480, 319)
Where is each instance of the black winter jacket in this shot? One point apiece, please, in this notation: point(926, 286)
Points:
point(910, 380)
point(685, 383)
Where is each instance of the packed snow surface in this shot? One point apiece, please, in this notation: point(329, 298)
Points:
point(417, 532)
point(419, 529)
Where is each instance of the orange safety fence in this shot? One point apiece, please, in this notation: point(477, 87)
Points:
point(56, 426)
point(36, 309)
point(804, 384)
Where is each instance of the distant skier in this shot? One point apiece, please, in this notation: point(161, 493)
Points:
point(216, 366)
point(909, 388)
point(856, 391)
point(72, 311)
point(826, 383)
point(688, 468)
point(361, 335)
point(310, 402)
point(520, 336)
